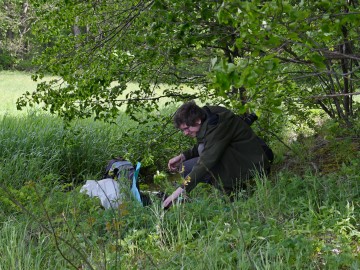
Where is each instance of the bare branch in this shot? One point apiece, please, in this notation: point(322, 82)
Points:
point(334, 95)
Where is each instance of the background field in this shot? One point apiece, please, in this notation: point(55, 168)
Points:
point(12, 86)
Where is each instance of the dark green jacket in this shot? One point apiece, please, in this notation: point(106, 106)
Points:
point(231, 154)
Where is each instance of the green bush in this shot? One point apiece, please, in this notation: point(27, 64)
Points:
point(6, 60)
point(25, 65)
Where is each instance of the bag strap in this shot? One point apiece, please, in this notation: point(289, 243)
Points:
point(134, 188)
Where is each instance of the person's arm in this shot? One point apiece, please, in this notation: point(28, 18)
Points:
point(175, 162)
point(172, 197)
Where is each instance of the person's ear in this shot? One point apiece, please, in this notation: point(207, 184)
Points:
point(198, 122)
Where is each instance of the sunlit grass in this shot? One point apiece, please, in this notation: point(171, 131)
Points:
point(12, 86)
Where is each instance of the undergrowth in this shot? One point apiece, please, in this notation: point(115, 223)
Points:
point(304, 216)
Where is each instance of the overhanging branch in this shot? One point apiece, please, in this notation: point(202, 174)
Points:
point(334, 95)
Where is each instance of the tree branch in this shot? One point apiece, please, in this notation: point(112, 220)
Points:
point(334, 95)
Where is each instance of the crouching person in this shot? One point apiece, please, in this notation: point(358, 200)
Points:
point(227, 153)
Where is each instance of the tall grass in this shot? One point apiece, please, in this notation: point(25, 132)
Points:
point(294, 223)
point(23, 249)
point(37, 145)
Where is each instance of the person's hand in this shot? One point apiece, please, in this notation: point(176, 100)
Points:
point(175, 162)
point(167, 202)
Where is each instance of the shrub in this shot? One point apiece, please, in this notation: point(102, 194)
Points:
point(6, 60)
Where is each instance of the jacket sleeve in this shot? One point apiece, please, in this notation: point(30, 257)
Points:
point(217, 139)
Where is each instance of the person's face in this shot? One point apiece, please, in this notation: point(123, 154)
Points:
point(191, 131)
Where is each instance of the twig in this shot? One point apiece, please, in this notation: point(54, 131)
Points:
point(276, 136)
point(334, 95)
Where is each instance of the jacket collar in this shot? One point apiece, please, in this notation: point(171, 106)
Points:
point(202, 132)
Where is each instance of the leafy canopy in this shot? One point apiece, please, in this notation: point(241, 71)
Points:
point(278, 56)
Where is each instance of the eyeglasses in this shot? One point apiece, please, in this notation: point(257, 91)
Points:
point(184, 129)
point(187, 128)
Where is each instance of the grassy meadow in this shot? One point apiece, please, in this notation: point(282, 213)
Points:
point(12, 86)
point(305, 215)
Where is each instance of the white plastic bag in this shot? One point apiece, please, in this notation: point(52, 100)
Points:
point(107, 190)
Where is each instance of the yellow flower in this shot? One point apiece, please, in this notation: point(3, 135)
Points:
point(187, 180)
point(182, 169)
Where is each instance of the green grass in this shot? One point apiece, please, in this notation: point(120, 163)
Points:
point(12, 86)
point(21, 248)
point(299, 218)
point(292, 221)
point(295, 223)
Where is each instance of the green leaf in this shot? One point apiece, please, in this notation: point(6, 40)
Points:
point(318, 60)
point(276, 110)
